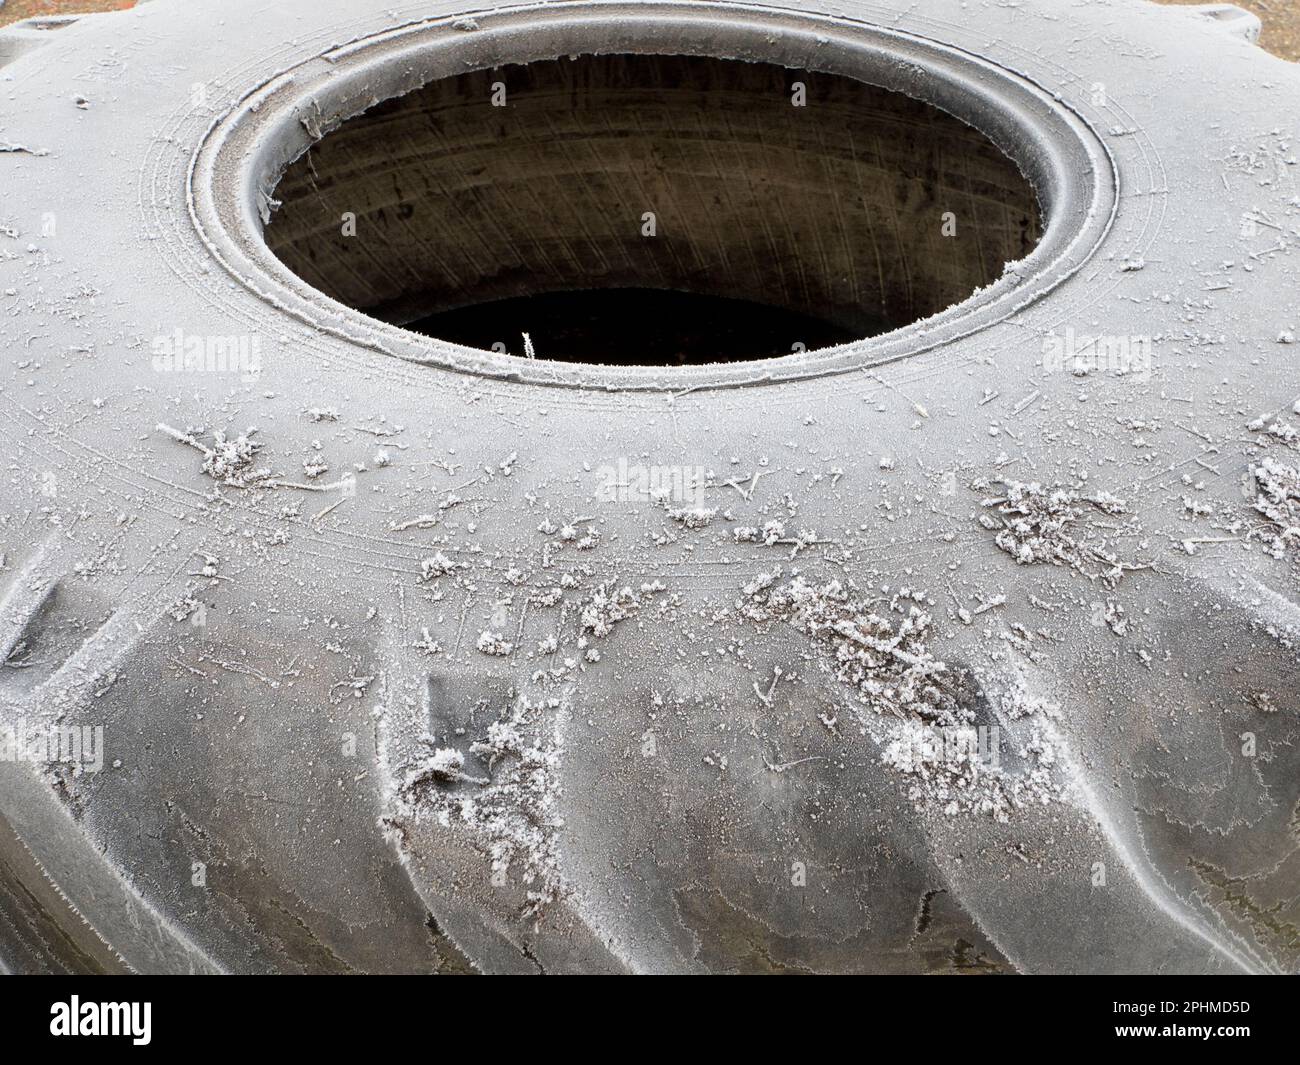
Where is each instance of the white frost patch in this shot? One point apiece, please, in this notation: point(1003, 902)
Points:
point(228, 461)
point(606, 608)
point(491, 643)
point(444, 765)
point(1035, 524)
point(437, 566)
point(694, 517)
point(948, 768)
point(887, 659)
point(1278, 500)
point(931, 737)
point(512, 817)
point(772, 532)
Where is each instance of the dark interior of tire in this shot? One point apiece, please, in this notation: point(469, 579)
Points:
point(651, 209)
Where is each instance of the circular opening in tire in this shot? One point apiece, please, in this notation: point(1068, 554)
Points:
point(652, 209)
point(658, 202)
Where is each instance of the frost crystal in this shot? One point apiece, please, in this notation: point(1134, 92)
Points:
point(512, 816)
point(886, 659)
point(1037, 524)
point(1278, 500)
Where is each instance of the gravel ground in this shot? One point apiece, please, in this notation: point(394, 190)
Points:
point(1281, 17)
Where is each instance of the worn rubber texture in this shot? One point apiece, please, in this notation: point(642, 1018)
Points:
point(454, 704)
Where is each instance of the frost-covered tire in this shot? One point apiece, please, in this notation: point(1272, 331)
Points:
point(400, 666)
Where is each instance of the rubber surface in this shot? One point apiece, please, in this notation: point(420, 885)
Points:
point(401, 666)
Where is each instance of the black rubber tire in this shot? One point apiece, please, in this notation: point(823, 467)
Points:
point(651, 757)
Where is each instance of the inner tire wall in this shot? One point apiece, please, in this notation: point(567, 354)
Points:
point(833, 209)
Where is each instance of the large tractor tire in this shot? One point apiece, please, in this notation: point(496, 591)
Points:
point(881, 554)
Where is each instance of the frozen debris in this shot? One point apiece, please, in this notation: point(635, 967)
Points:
point(1286, 337)
point(227, 461)
point(267, 205)
point(439, 767)
point(606, 608)
point(570, 534)
point(886, 659)
point(208, 568)
point(439, 565)
point(491, 643)
point(183, 607)
point(550, 597)
point(512, 818)
point(1036, 524)
point(322, 414)
point(443, 766)
point(960, 768)
point(1285, 432)
point(508, 466)
point(1263, 702)
point(1278, 500)
point(694, 517)
point(356, 685)
point(1017, 702)
point(766, 697)
point(313, 466)
point(422, 521)
point(953, 769)
point(1129, 266)
point(427, 643)
point(931, 736)
point(772, 532)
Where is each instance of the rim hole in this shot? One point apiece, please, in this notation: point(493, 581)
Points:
point(653, 210)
